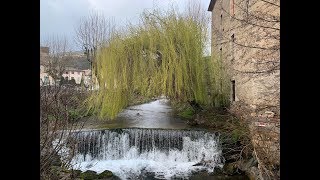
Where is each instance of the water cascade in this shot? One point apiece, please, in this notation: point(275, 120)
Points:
point(131, 152)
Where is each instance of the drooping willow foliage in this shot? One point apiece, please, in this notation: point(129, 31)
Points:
point(164, 55)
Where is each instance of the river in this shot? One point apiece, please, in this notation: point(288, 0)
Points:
point(150, 142)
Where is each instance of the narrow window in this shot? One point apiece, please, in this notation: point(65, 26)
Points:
point(232, 47)
point(233, 94)
point(221, 20)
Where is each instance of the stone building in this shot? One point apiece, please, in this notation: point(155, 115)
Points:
point(45, 78)
point(246, 38)
point(44, 54)
point(246, 44)
point(77, 74)
point(73, 66)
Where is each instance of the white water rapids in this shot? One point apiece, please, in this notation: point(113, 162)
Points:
point(130, 152)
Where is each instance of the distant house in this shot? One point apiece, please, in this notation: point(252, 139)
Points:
point(77, 75)
point(45, 78)
point(76, 69)
point(44, 55)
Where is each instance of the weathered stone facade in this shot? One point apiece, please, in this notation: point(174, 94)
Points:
point(246, 38)
point(246, 41)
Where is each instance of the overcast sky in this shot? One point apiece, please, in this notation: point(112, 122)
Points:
point(60, 17)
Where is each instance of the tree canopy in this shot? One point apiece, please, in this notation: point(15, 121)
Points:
point(164, 55)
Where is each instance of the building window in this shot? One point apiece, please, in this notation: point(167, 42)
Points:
point(232, 47)
point(233, 93)
point(72, 72)
point(220, 28)
point(66, 72)
point(221, 20)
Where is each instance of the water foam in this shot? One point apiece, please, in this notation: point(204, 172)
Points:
point(129, 153)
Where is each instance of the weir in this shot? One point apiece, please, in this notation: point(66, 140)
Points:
point(130, 152)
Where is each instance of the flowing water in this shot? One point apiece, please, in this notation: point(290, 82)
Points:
point(130, 152)
point(156, 114)
point(154, 144)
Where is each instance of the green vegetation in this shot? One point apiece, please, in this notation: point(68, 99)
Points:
point(161, 56)
point(89, 175)
point(183, 110)
point(105, 174)
point(187, 113)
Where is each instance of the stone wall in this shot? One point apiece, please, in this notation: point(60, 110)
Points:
point(247, 43)
point(246, 40)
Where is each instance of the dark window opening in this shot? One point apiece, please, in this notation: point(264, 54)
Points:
point(233, 94)
point(221, 26)
point(232, 47)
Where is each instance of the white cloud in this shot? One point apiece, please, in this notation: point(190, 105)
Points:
point(61, 16)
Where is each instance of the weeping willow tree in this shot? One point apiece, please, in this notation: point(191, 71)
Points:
point(163, 55)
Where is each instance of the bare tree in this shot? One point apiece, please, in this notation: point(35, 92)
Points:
point(196, 11)
point(93, 32)
point(57, 145)
point(59, 52)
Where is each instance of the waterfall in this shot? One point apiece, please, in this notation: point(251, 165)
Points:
point(129, 152)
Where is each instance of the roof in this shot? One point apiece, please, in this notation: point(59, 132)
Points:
point(72, 69)
point(211, 5)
